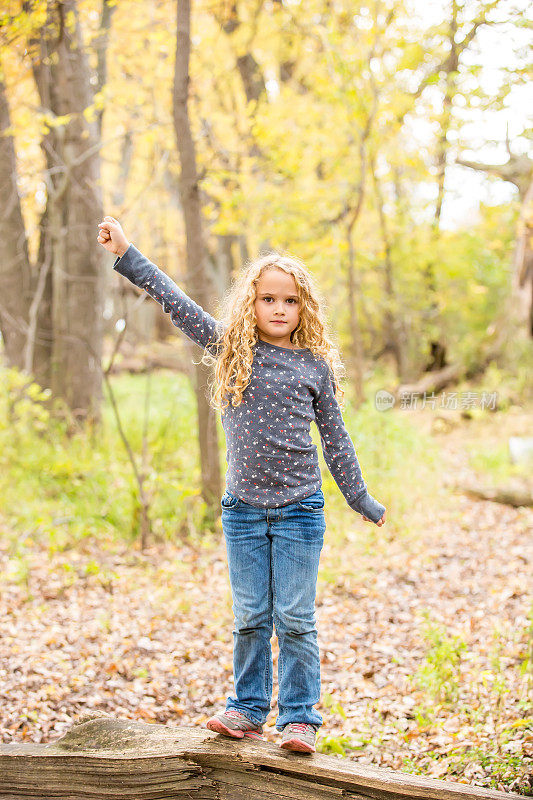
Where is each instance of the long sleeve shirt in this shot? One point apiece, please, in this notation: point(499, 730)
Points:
point(272, 460)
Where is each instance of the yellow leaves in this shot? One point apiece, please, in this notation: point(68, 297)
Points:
point(70, 21)
point(10, 130)
point(526, 722)
point(24, 24)
point(487, 676)
point(150, 137)
point(90, 113)
point(50, 691)
point(50, 121)
point(147, 716)
point(419, 731)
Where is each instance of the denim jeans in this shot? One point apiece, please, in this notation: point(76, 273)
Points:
point(273, 556)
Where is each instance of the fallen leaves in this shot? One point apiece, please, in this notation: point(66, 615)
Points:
point(152, 641)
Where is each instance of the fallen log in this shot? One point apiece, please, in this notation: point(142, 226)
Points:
point(113, 758)
point(140, 365)
point(512, 494)
point(431, 382)
point(145, 358)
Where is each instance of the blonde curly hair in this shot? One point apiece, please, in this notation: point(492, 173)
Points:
point(231, 353)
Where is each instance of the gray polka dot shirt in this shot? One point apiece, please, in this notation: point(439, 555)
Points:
point(271, 458)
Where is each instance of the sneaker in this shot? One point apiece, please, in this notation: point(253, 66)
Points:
point(299, 736)
point(233, 723)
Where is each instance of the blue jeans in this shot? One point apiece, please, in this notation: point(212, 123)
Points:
point(273, 556)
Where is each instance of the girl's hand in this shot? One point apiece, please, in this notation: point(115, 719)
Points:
point(111, 236)
point(380, 522)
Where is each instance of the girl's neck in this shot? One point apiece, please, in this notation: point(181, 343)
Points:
point(281, 346)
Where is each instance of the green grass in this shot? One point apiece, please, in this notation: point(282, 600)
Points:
point(490, 456)
point(492, 460)
point(439, 675)
point(61, 487)
point(401, 467)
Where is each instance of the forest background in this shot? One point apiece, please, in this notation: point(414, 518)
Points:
point(387, 145)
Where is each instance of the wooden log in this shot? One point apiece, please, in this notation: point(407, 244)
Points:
point(515, 494)
point(137, 365)
point(112, 758)
point(431, 381)
point(157, 355)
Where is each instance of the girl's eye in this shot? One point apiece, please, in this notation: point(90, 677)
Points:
point(290, 299)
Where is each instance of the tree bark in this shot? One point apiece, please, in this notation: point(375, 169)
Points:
point(196, 268)
point(395, 333)
point(437, 359)
point(517, 494)
point(125, 760)
point(41, 358)
point(15, 268)
point(74, 207)
point(356, 349)
point(100, 45)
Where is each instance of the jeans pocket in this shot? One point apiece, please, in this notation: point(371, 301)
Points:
point(314, 504)
point(229, 500)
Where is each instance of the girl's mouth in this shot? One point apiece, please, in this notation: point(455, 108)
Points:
point(279, 322)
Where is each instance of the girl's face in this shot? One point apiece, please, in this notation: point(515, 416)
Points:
point(277, 308)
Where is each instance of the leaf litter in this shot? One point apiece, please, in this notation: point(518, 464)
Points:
point(425, 640)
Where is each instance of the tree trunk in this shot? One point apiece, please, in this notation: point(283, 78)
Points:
point(15, 269)
point(190, 201)
point(522, 281)
point(253, 84)
point(357, 357)
point(356, 350)
point(74, 208)
point(395, 334)
point(437, 359)
point(42, 298)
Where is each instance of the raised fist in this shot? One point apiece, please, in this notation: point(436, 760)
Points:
point(111, 236)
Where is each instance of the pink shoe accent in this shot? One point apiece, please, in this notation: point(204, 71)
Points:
point(297, 745)
point(218, 724)
point(219, 727)
point(295, 742)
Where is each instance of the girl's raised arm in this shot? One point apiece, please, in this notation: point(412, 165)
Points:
point(339, 452)
point(188, 316)
point(185, 314)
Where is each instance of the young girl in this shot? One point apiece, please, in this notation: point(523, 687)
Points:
point(275, 370)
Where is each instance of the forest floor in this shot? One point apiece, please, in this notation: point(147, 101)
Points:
point(425, 634)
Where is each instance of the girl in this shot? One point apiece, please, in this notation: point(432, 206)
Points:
point(275, 370)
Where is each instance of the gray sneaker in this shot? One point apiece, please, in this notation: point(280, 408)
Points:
point(299, 736)
point(233, 723)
